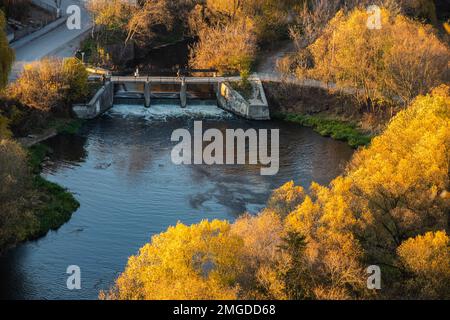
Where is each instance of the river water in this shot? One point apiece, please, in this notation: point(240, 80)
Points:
point(119, 168)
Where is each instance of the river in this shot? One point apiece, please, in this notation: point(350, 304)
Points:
point(119, 168)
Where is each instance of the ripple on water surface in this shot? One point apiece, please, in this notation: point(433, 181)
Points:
point(120, 170)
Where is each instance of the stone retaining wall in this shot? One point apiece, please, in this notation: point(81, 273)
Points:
point(101, 102)
point(231, 100)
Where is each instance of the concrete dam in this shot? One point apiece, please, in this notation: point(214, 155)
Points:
point(142, 90)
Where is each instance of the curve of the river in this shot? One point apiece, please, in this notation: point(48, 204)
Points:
point(119, 168)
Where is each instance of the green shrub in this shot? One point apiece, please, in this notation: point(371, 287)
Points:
point(328, 127)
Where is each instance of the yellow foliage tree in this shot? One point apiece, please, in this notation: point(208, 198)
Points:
point(395, 63)
point(230, 48)
point(197, 262)
point(113, 15)
point(76, 77)
point(397, 182)
point(427, 257)
point(392, 191)
point(51, 83)
point(15, 180)
point(285, 199)
point(262, 261)
point(333, 254)
point(40, 85)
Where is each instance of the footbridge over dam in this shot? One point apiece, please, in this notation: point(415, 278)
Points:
point(142, 90)
point(145, 90)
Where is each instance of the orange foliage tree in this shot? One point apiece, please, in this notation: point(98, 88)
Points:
point(390, 209)
point(393, 64)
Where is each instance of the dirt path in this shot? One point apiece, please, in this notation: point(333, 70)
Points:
point(269, 58)
point(34, 139)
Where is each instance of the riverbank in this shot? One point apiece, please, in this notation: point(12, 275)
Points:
point(336, 129)
point(130, 190)
point(57, 204)
point(330, 112)
point(53, 127)
point(45, 205)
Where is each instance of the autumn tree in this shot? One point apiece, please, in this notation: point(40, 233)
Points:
point(333, 254)
point(270, 17)
point(263, 262)
point(310, 19)
point(392, 191)
point(152, 13)
point(111, 16)
point(229, 49)
point(286, 198)
point(6, 54)
point(15, 180)
point(209, 260)
point(197, 262)
point(140, 21)
point(398, 181)
point(51, 84)
point(75, 77)
point(426, 259)
point(393, 64)
point(40, 85)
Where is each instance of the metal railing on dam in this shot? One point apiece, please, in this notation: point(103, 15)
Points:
point(171, 80)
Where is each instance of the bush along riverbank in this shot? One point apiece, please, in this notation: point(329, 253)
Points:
point(70, 126)
point(31, 206)
point(336, 129)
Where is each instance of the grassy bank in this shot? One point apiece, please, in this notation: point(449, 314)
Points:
point(56, 204)
point(336, 129)
point(33, 206)
point(70, 126)
point(56, 209)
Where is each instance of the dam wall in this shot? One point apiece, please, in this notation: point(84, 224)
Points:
point(101, 102)
point(255, 108)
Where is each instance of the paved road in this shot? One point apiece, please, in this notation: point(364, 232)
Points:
point(60, 42)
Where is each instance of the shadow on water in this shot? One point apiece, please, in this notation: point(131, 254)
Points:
point(65, 150)
point(119, 168)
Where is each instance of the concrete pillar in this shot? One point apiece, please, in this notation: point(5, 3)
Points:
point(183, 95)
point(109, 86)
point(147, 90)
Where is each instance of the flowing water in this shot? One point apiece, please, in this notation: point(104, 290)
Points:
point(119, 168)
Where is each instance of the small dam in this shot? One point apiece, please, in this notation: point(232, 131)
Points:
point(143, 90)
